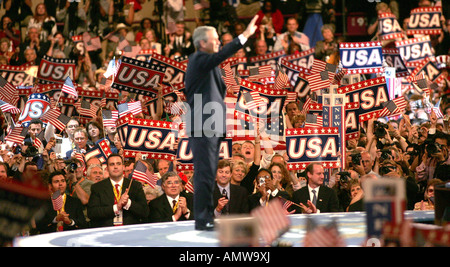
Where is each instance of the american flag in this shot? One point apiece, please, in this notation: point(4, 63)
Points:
point(6, 107)
point(394, 107)
point(339, 75)
point(230, 80)
point(286, 203)
point(110, 117)
point(322, 236)
point(241, 130)
point(69, 88)
point(319, 66)
point(319, 80)
point(142, 174)
point(313, 121)
point(306, 106)
point(189, 187)
point(281, 79)
point(256, 73)
point(8, 93)
point(134, 108)
point(57, 119)
point(38, 141)
point(437, 110)
point(85, 108)
point(17, 135)
point(57, 200)
point(175, 108)
point(272, 220)
point(254, 100)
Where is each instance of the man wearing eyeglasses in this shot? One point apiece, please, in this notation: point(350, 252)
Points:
point(174, 205)
point(80, 139)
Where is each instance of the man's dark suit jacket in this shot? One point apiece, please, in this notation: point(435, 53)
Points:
point(161, 211)
point(327, 200)
point(204, 78)
point(253, 200)
point(238, 203)
point(73, 207)
point(100, 207)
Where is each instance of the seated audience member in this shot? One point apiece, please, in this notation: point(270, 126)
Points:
point(70, 217)
point(315, 197)
point(428, 202)
point(228, 198)
point(174, 204)
point(268, 189)
point(114, 201)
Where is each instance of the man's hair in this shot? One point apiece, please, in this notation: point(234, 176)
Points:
point(167, 175)
point(310, 168)
point(112, 156)
point(36, 121)
point(82, 130)
point(89, 170)
point(201, 34)
point(53, 174)
point(223, 163)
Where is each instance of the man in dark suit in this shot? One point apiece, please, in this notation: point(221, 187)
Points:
point(173, 205)
point(113, 201)
point(205, 89)
point(228, 198)
point(315, 197)
point(70, 217)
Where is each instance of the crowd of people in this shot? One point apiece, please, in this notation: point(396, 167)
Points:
point(414, 147)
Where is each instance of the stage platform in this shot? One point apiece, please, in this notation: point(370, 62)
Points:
point(352, 226)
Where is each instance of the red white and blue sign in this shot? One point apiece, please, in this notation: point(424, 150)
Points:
point(425, 20)
point(362, 57)
point(312, 145)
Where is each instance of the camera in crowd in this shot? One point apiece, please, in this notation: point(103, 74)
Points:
point(379, 129)
point(30, 152)
point(386, 154)
point(71, 166)
point(433, 148)
point(356, 158)
point(386, 169)
point(344, 177)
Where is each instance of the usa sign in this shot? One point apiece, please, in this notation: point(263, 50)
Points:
point(370, 94)
point(425, 20)
point(362, 58)
point(139, 77)
point(55, 70)
point(156, 139)
point(312, 145)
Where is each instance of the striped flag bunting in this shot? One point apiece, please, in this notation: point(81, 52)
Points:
point(272, 220)
point(6, 107)
point(69, 88)
point(142, 174)
point(57, 200)
point(57, 119)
